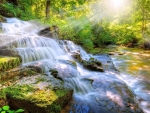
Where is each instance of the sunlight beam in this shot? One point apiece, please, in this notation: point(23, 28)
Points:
point(117, 3)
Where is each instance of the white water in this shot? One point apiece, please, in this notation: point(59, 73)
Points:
point(45, 52)
point(136, 79)
point(36, 50)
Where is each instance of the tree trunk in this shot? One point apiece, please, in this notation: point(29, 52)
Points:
point(143, 23)
point(48, 9)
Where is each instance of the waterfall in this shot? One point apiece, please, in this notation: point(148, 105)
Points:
point(94, 91)
point(69, 46)
point(40, 51)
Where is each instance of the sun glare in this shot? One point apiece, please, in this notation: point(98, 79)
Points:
point(117, 3)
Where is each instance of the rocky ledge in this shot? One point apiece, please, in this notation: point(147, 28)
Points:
point(36, 94)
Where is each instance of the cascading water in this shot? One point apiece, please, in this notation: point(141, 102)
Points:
point(94, 92)
point(35, 49)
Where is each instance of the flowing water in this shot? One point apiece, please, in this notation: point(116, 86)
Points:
point(94, 92)
point(134, 66)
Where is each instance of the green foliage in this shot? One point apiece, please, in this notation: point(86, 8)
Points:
point(76, 23)
point(10, 10)
point(6, 109)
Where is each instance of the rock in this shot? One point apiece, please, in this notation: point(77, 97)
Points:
point(52, 32)
point(16, 72)
point(36, 68)
point(87, 80)
point(106, 62)
point(36, 94)
point(10, 52)
point(93, 64)
point(7, 63)
point(111, 53)
point(2, 19)
point(64, 69)
point(121, 53)
point(111, 93)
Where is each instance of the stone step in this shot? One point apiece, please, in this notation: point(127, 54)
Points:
point(16, 72)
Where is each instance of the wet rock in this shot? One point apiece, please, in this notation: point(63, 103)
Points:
point(64, 69)
point(111, 53)
point(93, 64)
point(52, 32)
point(121, 53)
point(114, 99)
point(37, 68)
point(76, 55)
point(103, 104)
point(106, 62)
point(2, 19)
point(10, 52)
point(87, 80)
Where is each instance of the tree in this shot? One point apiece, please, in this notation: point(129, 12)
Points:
point(48, 2)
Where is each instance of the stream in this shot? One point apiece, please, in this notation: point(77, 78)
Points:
point(94, 91)
point(134, 67)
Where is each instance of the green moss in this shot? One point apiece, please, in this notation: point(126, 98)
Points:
point(7, 63)
point(40, 79)
point(19, 92)
point(60, 92)
point(41, 98)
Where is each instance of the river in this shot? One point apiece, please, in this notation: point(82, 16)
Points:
point(94, 91)
point(134, 66)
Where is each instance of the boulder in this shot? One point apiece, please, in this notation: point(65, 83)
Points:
point(10, 52)
point(115, 96)
point(76, 55)
point(106, 62)
point(36, 94)
point(64, 69)
point(52, 32)
point(93, 64)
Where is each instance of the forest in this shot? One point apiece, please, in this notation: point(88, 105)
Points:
point(74, 56)
point(90, 23)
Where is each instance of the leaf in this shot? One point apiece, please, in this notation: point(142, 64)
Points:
point(5, 108)
point(19, 111)
point(11, 111)
point(0, 109)
point(3, 112)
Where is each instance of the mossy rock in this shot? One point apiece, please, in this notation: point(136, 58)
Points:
point(93, 64)
point(29, 95)
point(2, 19)
point(16, 72)
point(7, 63)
